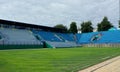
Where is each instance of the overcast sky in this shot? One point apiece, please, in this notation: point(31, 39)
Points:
point(52, 12)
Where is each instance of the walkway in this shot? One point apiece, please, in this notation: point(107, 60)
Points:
point(112, 65)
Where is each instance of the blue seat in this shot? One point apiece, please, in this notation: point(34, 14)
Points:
point(18, 36)
point(57, 39)
point(66, 36)
point(49, 36)
point(106, 37)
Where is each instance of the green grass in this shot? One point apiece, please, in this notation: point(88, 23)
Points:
point(53, 60)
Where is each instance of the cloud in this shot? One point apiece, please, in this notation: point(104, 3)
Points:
point(52, 12)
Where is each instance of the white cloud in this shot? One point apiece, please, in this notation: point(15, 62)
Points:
point(52, 12)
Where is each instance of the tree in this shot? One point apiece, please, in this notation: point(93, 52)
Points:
point(61, 26)
point(73, 28)
point(86, 27)
point(104, 25)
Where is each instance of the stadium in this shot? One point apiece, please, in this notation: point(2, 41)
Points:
point(33, 48)
point(14, 34)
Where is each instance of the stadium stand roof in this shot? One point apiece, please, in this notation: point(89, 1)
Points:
point(27, 25)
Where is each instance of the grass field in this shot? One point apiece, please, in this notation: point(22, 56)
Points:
point(53, 60)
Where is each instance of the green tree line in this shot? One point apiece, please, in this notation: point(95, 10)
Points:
point(87, 26)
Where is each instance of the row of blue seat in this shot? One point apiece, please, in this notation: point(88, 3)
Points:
point(51, 36)
point(62, 39)
point(84, 38)
point(106, 37)
point(17, 36)
point(66, 36)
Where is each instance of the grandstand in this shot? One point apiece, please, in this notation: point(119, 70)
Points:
point(23, 35)
point(54, 39)
point(105, 39)
point(17, 36)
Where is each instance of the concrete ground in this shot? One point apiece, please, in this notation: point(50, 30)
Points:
point(112, 65)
